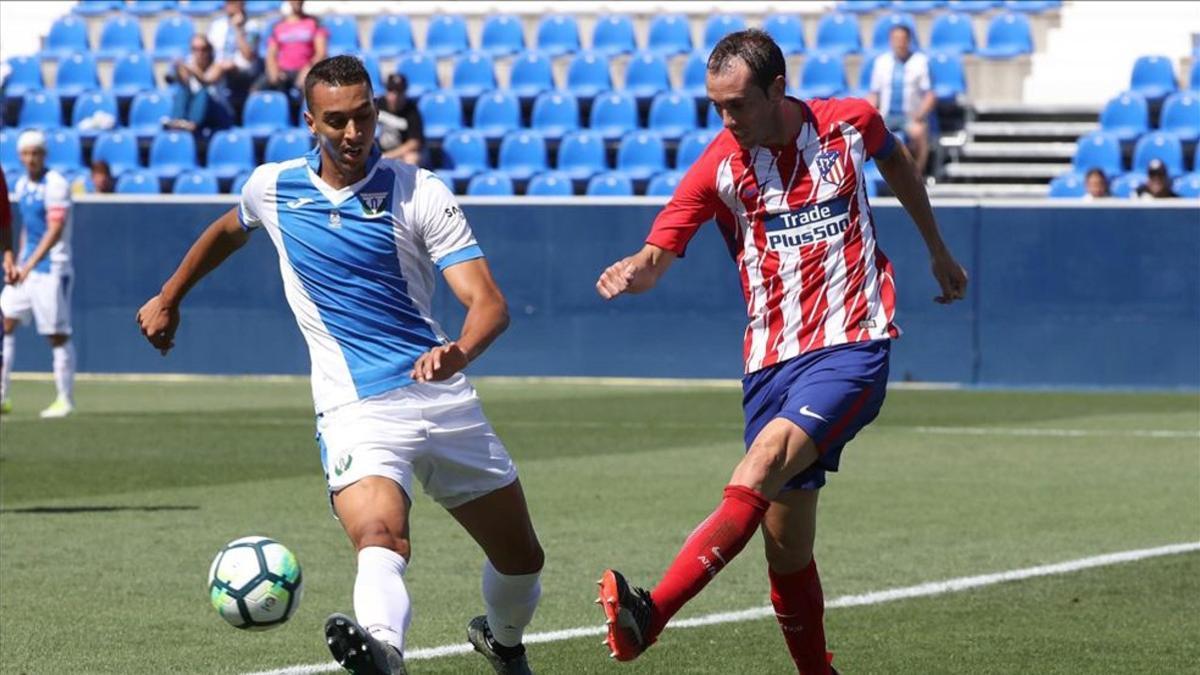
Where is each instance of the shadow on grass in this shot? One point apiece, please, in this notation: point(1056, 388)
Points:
point(95, 509)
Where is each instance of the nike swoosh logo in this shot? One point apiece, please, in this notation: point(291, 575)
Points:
point(808, 413)
point(297, 203)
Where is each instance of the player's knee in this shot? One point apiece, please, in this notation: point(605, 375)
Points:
point(381, 535)
point(787, 551)
point(765, 458)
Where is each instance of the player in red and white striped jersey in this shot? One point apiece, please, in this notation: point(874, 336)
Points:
point(784, 182)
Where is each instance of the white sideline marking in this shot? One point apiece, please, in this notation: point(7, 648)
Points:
point(872, 598)
point(1062, 433)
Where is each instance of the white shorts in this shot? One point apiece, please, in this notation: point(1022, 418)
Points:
point(45, 297)
point(434, 431)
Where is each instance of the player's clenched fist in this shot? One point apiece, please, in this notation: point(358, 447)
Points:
point(158, 322)
point(616, 279)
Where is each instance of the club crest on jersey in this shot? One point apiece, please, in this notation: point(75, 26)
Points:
point(335, 220)
point(830, 167)
point(373, 203)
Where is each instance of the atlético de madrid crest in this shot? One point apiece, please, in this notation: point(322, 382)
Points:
point(373, 203)
point(830, 167)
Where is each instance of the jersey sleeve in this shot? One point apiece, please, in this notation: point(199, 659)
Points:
point(58, 196)
point(877, 139)
point(693, 204)
point(253, 195)
point(441, 224)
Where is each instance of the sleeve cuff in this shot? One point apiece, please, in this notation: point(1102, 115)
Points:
point(888, 147)
point(461, 255)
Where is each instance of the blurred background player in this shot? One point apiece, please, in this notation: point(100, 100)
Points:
point(360, 236)
point(40, 289)
point(902, 91)
point(784, 182)
point(234, 39)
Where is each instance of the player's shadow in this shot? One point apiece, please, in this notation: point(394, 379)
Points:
point(96, 509)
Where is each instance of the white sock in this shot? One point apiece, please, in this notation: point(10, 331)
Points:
point(381, 603)
point(64, 371)
point(510, 600)
point(10, 350)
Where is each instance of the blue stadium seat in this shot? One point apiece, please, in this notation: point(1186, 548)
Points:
point(10, 161)
point(491, 184)
point(119, 148)
point(718, 26)
point(883, 27)
point(173, 37)
point(641, 154)
point(230, 152)
point(522, 154)
point(694, 73)
point(672, 115)
point(1158, 145)
point(496, 114)
point(1188, 186)
point(613, 34)
point(374, 70)
point(550, 184)
point(446, 35)
point(64, 151)
point(68, 35)
point(88, 105)
point(919, 6)
point(947, 75)
point(1194, 74)
point(1125, 185)
point(466, 154)
point(838, 33)
point(973, 6)
point(343, 34)
point(502, 35)
point(823, 76)
point(646, 76)
point(581, 155)
point(133, 74)
point(391, 36)
point(588, 75)
point(261, 7)
point(952, 32)
point(24, 76)
point(1098, 150)
point(149, 7)
point(137, 182)
point(558, 34)
point(474, 73)
point(76, 74)
point(868, 67)
point(40, 110)
point(201, 8)
point(172, 152)
point(1067, 186)
point(613, 113)
point(119, 36)
point(1008, 36)
point(862, 6)
point(1126, 116)
point(555, 113)
point(531, 74)
point(1032, 6)
point(287, 144)
point(1152, 77)
point(669, 34)
point(610, 184)
point(691, 146)
point(872, 177)
point(265, 112)
point(196, 182)
point(664, 184)
point(420, 69)
point(97, 7)
point(788, 32)
point(441, 113)
point(712, 119)
point(147, 113)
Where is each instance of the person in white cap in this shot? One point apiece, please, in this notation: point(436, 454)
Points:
point(41, 290)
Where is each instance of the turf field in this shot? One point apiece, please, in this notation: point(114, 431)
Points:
point(108, 522)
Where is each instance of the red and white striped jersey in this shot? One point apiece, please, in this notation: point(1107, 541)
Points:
point(798, 225)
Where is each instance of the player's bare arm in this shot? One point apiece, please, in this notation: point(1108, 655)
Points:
point(487, 318)
point(636, 274)
point(55, 222)
point(900, 172)
point(159, 317)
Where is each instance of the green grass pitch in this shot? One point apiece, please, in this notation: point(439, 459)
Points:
point(109, 519)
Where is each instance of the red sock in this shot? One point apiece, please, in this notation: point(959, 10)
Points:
point(800, 608)
point(707, 550)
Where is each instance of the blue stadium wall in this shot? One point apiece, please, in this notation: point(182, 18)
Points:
point(1061, 295)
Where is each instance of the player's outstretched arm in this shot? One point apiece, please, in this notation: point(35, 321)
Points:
point(487, 317)
point(900, 172)
point(636, 274)
point(159, 317)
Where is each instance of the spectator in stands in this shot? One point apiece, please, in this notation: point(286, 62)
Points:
point(234, 38)
point(199, 105)
point(902, 92)
point(295, 44)
point(1095, 184)
point(1158, 183)
point(403, 133)
point(99, 181)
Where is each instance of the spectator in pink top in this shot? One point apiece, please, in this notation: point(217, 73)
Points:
point(296, 42)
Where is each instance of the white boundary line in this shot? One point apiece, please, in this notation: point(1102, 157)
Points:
point(873, 598)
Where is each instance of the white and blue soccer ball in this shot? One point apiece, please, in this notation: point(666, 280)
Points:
point(255, 583)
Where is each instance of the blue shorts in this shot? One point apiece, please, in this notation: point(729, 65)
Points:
point(830, 393)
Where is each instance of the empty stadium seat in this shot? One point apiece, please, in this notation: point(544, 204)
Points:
point(1008, 35)
point(64, 151)
point(550, 184)
point(76, 74)
point(558, 34)
point(610, 184)
point(342, 34)
point(823, 76)
point(1126, 116)
point(97, 7)
point(1125, 185)
point(40, 110)
point(531, 74)
point(260, 7)
point(669, 34)
point(880, 34)
point(446, 35)
point(441, 113)
point(1098, 150)
point(286, 144)
point(947, 75)
point(491, 184)
point(265, 112)
point(837, 33)
point(201, 8)
point(172, 152)
point(1032, 6)
point(502, 35)
point(496, 114)
point(371, 64)
point(664, 184)
point(119, 148)
point(919, 6)
point(1152, 77)
point(588, 75)
point(173, 37)
point(555, 113)
point(862, 6)
point(1158, 145)
point(148, 112)
point(133, 74)
point(196, 182)
point(718, 26)
point(695, 71)
point(24, 76)
point(952, 32)
point(119, 36)
point(1194, 75)
point(581, 154)
point(1188, 186)
point(613, 113)
point(641, 154)
point(10, 161)
point(646, 75)
point(420, 69)
point(712, 119)
point(137, 182)
point(474, 73)
point(391, 36)
point(973, 6)
point(787, 30)
point(691, 146)
point(522, 154)
point(868, 67)
point(149, 7)
point(613, 34)
point(87, 106)
point(68, 35)
point(1067, 186)
point(466, 154)
point(230, 152)
point(672, 115)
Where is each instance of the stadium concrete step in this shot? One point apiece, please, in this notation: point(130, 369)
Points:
point(1052, 129)
point(987, 191)
point(1039, 151)
point(989, 171)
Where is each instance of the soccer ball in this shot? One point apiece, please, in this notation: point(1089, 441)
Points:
point(255, 583)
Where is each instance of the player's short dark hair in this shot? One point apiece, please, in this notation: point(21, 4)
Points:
point(337, 71)
point(754, 48)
